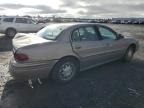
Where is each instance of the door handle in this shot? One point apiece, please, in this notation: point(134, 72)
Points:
point(78, 47)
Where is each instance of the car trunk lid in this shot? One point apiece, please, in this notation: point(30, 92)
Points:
point(22, 40)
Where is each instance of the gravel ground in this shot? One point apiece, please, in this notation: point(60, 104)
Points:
point(4, 75)
point(114, 85)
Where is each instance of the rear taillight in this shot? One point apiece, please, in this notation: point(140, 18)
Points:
point(20, 57)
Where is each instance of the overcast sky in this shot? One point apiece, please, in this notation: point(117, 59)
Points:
point(74, 8)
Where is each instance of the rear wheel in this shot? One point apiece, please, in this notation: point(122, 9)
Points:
point(10, 32)
point(129, 54)
point(65, 70)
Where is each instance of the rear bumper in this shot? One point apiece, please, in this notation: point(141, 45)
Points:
point(33, 70)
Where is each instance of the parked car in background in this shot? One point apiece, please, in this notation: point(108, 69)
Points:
point(12, 25)
point(135, 22)
point(62, 50)
point(142, 22)
point(116, 21)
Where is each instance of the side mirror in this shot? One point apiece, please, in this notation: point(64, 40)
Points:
point(120, 36)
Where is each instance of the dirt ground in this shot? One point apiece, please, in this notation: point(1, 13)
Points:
point(114, 85)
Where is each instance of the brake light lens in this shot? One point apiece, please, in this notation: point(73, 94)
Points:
point(20, 57)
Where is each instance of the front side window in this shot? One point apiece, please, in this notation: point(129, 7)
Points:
point(107, 33)
point(85, 34)
point(30, 21)
point(21, 20)
point(8, 19)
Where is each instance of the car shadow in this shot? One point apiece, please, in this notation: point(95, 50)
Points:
point(114, 85)
point(5, 43)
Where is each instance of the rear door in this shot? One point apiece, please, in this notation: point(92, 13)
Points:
point(86, 44)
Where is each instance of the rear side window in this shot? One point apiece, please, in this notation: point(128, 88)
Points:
point(85, 34)
point(8, 19)
point(21, 20)
point(51, 31)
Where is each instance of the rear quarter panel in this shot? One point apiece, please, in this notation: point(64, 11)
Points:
point(47, 51)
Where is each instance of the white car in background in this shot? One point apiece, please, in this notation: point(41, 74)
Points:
point(12, 25)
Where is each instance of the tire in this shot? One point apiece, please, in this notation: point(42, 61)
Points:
point(65, 70)
point(10, 32)
point(129, 54)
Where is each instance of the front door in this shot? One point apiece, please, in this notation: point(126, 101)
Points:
point(115, 47)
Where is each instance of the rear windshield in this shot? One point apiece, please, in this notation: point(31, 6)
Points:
point(51, 31)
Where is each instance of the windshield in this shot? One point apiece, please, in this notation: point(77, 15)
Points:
point(51, 31)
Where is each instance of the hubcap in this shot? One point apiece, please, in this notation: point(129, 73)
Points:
point(67, 71)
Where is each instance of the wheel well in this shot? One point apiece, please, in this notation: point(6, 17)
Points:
point(71, 57)
point(10, 28)
point(133, 45)
point(67, 57)
point(77, 61)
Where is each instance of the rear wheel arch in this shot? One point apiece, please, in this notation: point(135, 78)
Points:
point(71, 57)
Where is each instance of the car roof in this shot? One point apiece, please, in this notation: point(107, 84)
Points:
point(12, 17)
point(75, 24)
